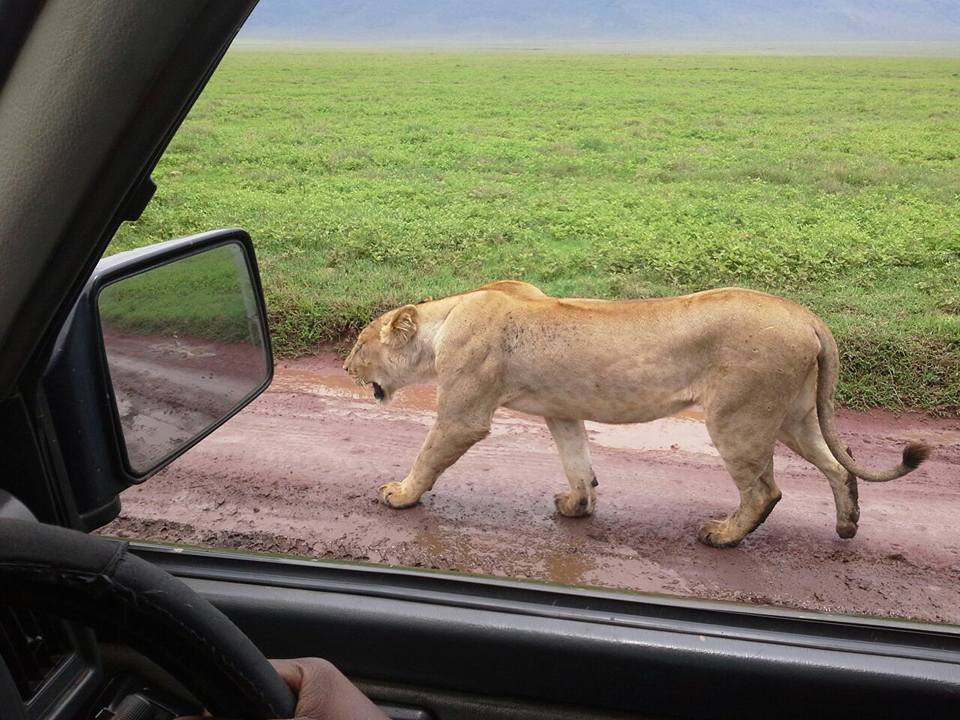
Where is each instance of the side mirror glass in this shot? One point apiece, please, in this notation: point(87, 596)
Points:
point(186, 347)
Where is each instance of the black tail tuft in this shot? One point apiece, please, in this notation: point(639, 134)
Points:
point(914, 454)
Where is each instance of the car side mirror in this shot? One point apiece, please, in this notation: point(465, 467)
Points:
point(185, 344)
point(164, 345)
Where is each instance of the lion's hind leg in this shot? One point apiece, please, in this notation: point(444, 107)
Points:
point(571, 439)
point(758, 496)
point(803, 436)
point(746, 448)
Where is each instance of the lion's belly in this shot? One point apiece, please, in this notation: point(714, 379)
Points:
point(599, 406)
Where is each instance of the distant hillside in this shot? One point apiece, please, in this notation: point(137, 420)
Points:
point(471, 21)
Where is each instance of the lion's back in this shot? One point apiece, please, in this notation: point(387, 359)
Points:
point(516, 288)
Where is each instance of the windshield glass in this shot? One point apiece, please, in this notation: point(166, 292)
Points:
point(394, 160)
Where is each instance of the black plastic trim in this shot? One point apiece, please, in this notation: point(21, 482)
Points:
point(13, 708)
point(671, 614)
point(578, 647)
point(28, 468)
point(72, 683)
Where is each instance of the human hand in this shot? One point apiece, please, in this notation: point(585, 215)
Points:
point(323, 692)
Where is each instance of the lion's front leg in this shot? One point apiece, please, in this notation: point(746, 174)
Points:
point(571, 439)
point(467, 396)
point(445, 444)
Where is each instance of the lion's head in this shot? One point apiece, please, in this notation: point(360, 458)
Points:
point(388, 354)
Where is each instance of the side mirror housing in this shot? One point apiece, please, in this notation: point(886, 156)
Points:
point(164, 345)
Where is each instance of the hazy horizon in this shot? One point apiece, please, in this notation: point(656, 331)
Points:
point(878, 48)
point(855, 27)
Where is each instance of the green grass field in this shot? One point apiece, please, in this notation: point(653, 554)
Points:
point(370, 179)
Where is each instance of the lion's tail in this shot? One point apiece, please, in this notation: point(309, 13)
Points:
point(828, 365)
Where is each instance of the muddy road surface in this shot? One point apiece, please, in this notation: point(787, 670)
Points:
point(297, 472)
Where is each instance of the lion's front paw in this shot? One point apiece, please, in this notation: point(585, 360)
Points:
point(393, 495)
point(572, 504)
point(720, 533)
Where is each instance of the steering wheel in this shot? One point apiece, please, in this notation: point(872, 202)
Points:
point(97, 582)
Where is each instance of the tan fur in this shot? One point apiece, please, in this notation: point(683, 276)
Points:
point(751, 360)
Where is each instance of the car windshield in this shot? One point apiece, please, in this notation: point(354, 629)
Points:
point(388, 161)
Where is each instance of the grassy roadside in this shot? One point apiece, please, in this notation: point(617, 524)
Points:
point(369, 179)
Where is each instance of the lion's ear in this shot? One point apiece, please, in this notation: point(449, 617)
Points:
point(401, 327)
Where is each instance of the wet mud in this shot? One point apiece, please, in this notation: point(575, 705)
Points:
point(297, 472)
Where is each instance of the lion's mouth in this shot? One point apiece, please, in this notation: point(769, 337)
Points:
point(378, 392)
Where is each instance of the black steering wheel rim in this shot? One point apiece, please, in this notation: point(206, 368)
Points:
point(97, 582)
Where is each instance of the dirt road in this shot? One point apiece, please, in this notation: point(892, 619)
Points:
point(297, 472)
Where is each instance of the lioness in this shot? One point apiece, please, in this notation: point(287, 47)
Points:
point(763, 369)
